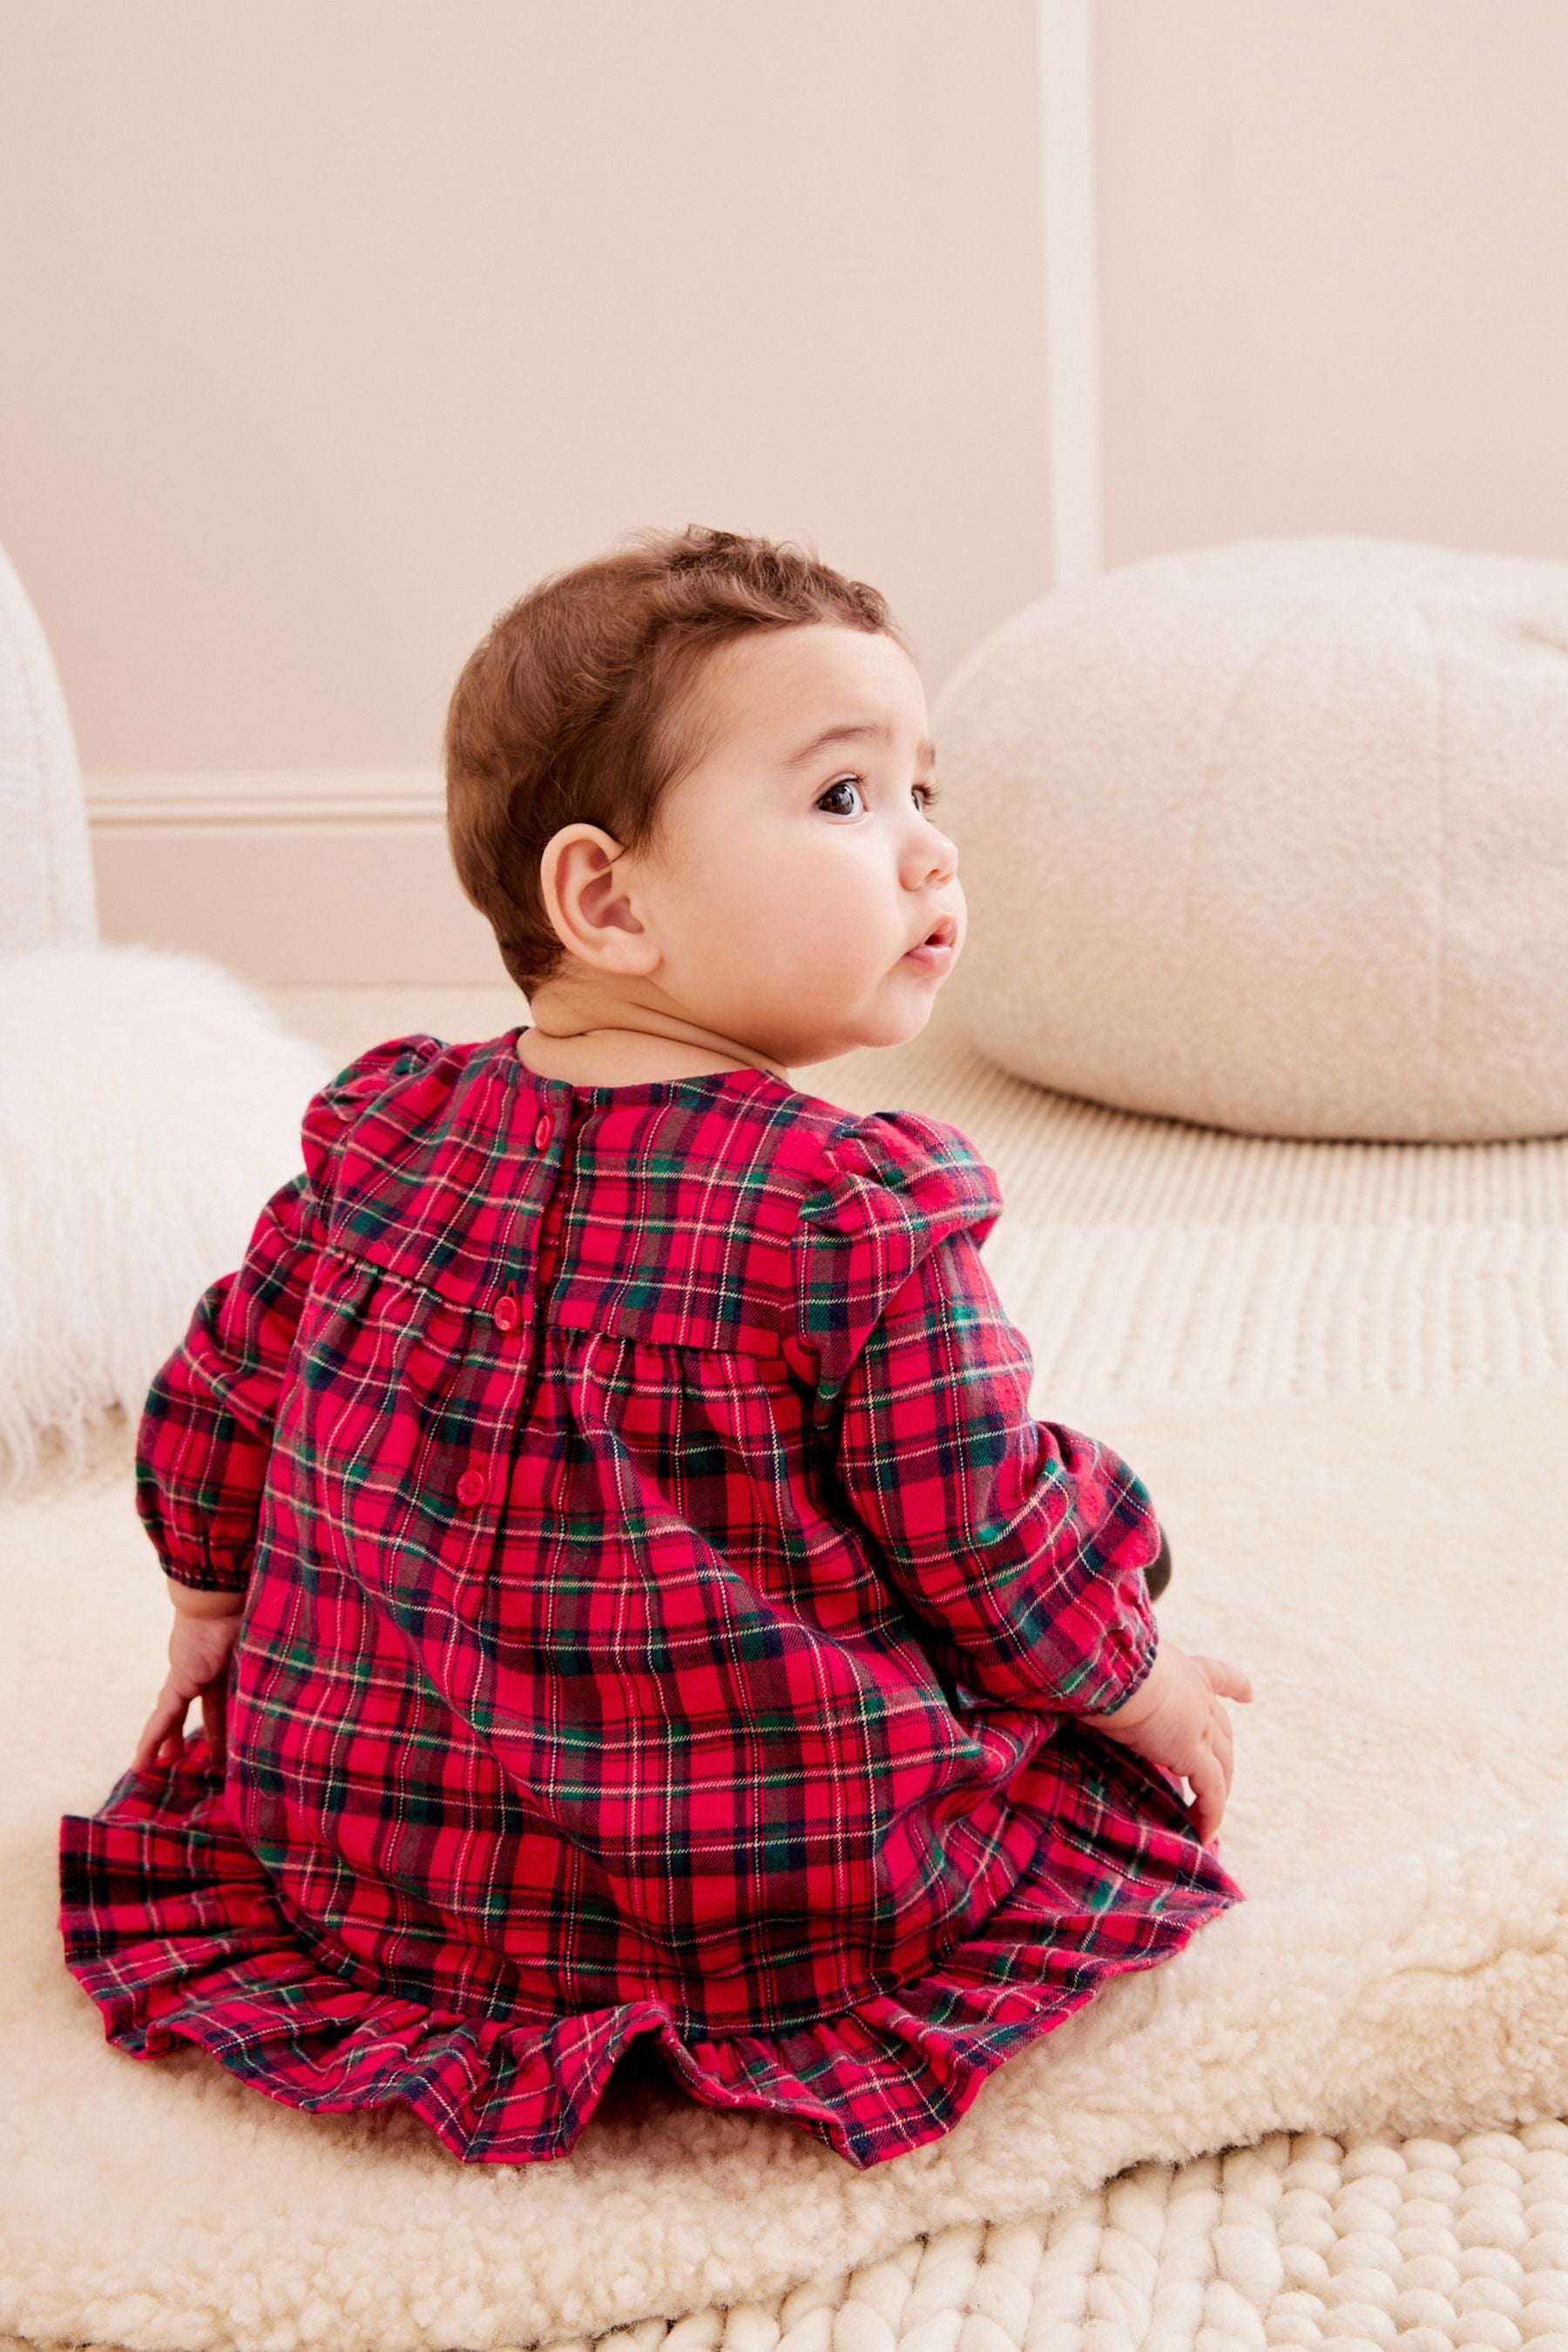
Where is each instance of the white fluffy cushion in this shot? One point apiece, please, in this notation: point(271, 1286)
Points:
point(46, 890)
point(150, 1102)
point(1274, 837)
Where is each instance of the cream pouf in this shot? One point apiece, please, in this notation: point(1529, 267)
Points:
point(1273, 836)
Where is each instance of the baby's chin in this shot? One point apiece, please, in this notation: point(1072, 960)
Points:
point(897, 1023)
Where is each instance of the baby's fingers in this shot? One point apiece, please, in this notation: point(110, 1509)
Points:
point(163, 1738)
point(1230, 1681)
point(1209, 1794)
point(1223, 1745)
point(165, 1730)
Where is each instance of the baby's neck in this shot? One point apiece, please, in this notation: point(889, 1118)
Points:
point(622, 1057)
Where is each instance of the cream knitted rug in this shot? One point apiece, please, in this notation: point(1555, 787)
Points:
point(1333, 2117)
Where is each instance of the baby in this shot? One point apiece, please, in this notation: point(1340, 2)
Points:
point(627, 1592)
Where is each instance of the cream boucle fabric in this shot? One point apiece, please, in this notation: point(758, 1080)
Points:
point(1335, 2115)
point(1274, 837)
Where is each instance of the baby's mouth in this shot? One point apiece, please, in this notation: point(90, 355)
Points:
point(935, 951)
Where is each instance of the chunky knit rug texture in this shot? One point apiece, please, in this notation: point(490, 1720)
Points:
point(1336, 2116)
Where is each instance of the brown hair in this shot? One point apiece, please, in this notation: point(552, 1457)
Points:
point(577, 707)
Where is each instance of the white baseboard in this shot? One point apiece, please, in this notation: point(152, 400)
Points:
point(330, 878)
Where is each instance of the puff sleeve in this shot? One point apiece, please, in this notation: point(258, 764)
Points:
point(206, 1427)
point(1017, 1546)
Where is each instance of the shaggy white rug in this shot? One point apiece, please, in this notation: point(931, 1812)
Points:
point(148, 1103)
point(1369, 1519)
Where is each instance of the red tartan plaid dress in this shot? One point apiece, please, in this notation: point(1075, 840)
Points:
point(662, 1617)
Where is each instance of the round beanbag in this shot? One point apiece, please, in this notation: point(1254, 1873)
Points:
point(1273, 836)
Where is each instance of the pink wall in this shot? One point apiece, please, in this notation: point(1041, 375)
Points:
point(1334, 250)
point(328, 326)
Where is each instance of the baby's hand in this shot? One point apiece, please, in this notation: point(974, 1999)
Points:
point(1175, 1720)
point(198, 1668)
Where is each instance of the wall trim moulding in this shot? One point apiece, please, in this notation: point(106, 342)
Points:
point(119, 803)
point(328, 877)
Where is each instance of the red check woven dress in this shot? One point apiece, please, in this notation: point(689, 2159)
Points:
point(662, 1617)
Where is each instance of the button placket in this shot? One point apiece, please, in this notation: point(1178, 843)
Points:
point(506, 1313)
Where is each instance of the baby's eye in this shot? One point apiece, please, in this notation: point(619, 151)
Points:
point(839, 784)
point(843, 783)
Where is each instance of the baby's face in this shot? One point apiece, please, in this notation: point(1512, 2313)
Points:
point(801, 873)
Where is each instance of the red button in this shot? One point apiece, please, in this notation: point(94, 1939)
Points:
point(506, 1310)
point(470, 1486)
point(542, 1133)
